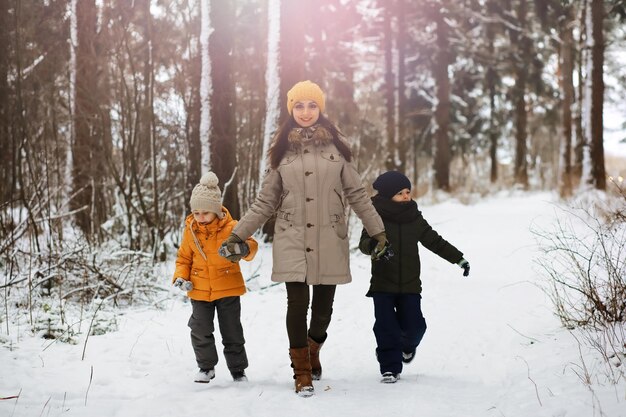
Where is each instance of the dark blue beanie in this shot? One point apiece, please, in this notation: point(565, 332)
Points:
point(391, 183)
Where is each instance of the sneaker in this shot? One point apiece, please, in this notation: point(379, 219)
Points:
point(204, 376)
point(408, 356)
point(389, 378)
point(239, 376)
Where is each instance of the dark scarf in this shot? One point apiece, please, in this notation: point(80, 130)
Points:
point(404, 212)
point(316, 134)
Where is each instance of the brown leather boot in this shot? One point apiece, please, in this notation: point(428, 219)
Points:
point(301, 364)
point(316, 366)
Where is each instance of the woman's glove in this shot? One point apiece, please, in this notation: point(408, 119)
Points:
point(463, 263)
point(382, 248)
point(233, 248)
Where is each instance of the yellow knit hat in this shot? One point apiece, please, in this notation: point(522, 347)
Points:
point(305, 90)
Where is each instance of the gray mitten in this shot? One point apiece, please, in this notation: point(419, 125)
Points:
point(183, 284)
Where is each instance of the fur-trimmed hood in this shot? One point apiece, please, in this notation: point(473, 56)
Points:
point(316, 134)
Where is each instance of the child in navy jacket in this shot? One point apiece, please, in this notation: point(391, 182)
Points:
point(395, 285)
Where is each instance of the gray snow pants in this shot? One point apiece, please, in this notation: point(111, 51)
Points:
point(202, 328)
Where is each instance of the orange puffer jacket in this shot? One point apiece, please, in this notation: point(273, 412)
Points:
point(213, 277)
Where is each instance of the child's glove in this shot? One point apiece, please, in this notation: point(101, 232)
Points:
point(183, 284)
point(382, 250)
point(465, 265)
point(233, 248)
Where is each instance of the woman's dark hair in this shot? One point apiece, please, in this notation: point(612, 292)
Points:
point(280, 143)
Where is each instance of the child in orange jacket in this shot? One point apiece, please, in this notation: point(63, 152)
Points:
point(213, 283)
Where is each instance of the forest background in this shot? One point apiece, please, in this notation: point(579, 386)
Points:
point(111, 110)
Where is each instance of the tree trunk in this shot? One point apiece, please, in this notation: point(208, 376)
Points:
point(148, 128)
point(442, 111)
point(401, 140)
point(272, 82)
point(205, 87)
point(596, 145)
point(223, 129)
point(581, 141)
point(87, 147)
point(491, 77)
point(194, 165)
point(519, 92)
point(6, 159)
point(567, 85)
point(333, 54)
point(292, 50)
point(390, 90)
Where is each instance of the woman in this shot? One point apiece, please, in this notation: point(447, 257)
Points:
point(309, 178)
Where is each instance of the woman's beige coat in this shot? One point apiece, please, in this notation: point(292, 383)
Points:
point(308, 193)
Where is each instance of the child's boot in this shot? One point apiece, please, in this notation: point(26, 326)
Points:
point(316, 366)
point(204, 376)
point(407, 357)
point(389, 378)
point(239, 376)
point(301, 364)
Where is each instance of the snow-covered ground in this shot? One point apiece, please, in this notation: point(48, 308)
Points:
point(492, 348)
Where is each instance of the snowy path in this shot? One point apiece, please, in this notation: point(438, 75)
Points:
point(493, 347)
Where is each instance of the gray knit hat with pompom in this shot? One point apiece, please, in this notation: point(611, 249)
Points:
point(206, 195)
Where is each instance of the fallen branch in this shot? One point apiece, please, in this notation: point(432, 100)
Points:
point(531, 380)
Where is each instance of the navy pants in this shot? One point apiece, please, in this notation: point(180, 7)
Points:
point(399, 327)
point(202, 328)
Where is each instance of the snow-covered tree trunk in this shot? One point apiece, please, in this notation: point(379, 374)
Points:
point(205, 85)
point(272, 80)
